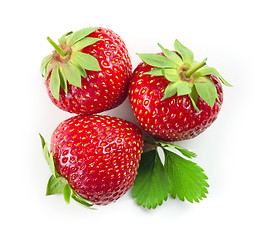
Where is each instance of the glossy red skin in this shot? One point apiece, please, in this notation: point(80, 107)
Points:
point(174, 118)
point(102, 90)
point(97, 155)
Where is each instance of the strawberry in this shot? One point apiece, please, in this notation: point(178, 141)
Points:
point(174, 97)
point(88, 72)
point(96, 157)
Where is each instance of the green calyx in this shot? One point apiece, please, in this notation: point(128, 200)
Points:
point(185, 75)
point(176, 176)
point(58, 184)
point(67, 64)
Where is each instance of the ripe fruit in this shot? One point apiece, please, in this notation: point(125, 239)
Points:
point(88, 71)
point(174, 97)
point(97, 156)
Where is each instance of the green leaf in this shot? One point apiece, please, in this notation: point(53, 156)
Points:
point(42, 141)
point(49, 159)
point(186, 178)
point(55, 83)
point(183, 88)
point(211, 71)
point(155, 72)
point(156, 60)
point(182, 150)
point(72, 74)
point(67, 192)
point(62, 39)
point(48, 156)
point(63, 80)
point(81, 200)
point(87, 41)
point(45, 63)
point(85, 61)
point(206, 90)
point(187, 54)
point(171, 55)
point(78, 35)
point(55, 186)
point(151, 186)
point(225, 82)
point(170, 91)
point(171, 75)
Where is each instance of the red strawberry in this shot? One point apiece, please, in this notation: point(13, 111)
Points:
point(98, 156)
point(174, 97)
point(88, 71)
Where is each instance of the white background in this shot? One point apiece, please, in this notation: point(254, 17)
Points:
point(222, 31)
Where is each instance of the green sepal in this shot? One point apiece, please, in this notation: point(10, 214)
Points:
point(156, 60)
point(211, 71)
point(170, 91)
point(155, 72)
point(72, 73)
point(194, 103)
point(67, 192)
point(62, 39)
point(186, 54)
point(186, 178)
point(48, 157)
point(85, 61)
point(55, 83)
point(87, 41)
point(206, 90)
point(55, 186)
point(78, 35)
point(194, 97)
point(81, 200)
point(185, 152)
point(45, 63)
point(63, 80)
point(171, 55)
point(171, 75)
point(183, 88)
point(151, 186)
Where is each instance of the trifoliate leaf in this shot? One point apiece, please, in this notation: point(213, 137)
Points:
point(155, 72)
point(171, 55)
point(81, 200)
point(187, 54)
point(87, 41)
point(72, 74)
point(85, 61)
point(156, 60)
point(186, 178)
point(206, 90)
point(67, 192)
point(171, 75)
point(170, 91)
point(183, 88)
point(55, 83)
point(151, 186)
point(78, 35)
point(182, 150)
point(62, 39)
point(54, 186)
point(44, 64)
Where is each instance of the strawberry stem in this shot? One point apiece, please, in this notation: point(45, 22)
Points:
point(57, 48)
point(195, 68)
